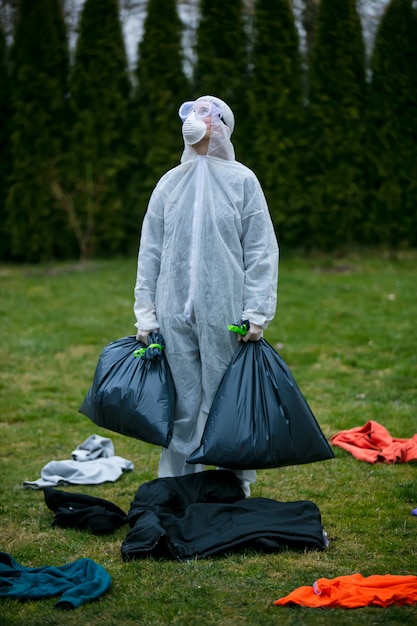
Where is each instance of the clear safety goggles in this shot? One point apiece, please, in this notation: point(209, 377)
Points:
point(202, 109)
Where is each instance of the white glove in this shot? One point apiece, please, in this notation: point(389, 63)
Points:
point(142, 335)
point(254, 333)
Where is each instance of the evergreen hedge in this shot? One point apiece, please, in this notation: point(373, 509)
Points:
point(39, 59)
point(5, 115)
point(98, 168)
point(161, 86)
point(392, 129)
point(275, 96)
point(334, 154)
point(82, 147)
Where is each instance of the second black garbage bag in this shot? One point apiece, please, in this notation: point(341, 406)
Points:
point(259, 418)
point(132, 392)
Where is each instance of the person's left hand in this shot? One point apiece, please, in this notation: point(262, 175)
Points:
point(254, 333)
point(142, 335)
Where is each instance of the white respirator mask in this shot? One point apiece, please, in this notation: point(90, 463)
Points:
point(193, 129)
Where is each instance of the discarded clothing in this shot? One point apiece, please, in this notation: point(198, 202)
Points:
point(76, 510)
point(77, 583)
point(87, 471)
point(93, 448)
point(355, 591)
point(206, 513)
point(373, 443)
point(80, 473)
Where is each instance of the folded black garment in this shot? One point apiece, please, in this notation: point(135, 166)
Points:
point(211, 529)
point(77, 510)
point(173, 495)
point(206, 514)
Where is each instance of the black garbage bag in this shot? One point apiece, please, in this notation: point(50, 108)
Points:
point(132, 392)
point(259, 417)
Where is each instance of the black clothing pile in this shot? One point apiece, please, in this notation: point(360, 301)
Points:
point(206, 514)
point(76, 510)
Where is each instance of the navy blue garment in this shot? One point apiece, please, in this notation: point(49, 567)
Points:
point(77, 583)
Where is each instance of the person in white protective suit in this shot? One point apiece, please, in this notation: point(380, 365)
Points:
point(208, 257)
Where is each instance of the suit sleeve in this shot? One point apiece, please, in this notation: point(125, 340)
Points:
point(149, 261)
point(260, 257)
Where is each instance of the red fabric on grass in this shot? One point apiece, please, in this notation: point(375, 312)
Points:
point(373, 443)
point(355, 591)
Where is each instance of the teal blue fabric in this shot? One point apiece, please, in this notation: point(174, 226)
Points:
point(76, 583)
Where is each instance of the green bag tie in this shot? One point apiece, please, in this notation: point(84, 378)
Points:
point(141, 351)
point(241, 329)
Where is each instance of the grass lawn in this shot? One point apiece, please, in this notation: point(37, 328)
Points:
point(347, 329)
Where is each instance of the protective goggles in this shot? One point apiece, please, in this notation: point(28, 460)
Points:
point(202, 109)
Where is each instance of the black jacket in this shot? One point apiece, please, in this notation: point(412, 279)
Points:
point(77, 510)
point(206, 513)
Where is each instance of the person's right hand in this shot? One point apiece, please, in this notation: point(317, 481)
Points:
point(142, 335)
point(254, 333)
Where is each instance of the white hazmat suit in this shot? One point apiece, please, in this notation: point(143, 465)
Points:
point(208, 257)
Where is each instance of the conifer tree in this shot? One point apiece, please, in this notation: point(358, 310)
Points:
point(221, 67)
point(161, 87)
point(392, 128)
point(39, 86)
point(276, 112)
point(100, 89)
point(5, 114)
point(334, 156)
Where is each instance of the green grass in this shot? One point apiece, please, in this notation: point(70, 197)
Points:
point(347, 329)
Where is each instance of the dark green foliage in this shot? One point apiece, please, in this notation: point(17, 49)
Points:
point(39, 87)
point(275, 113)
point(5, 113)
point(221, 60)
point(100, 88)
point(334, 159)
point(156, 141)
point(336, 156)
point(392, 128)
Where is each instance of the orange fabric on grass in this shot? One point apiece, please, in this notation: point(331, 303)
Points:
point(355, 591)
point(373, 443)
